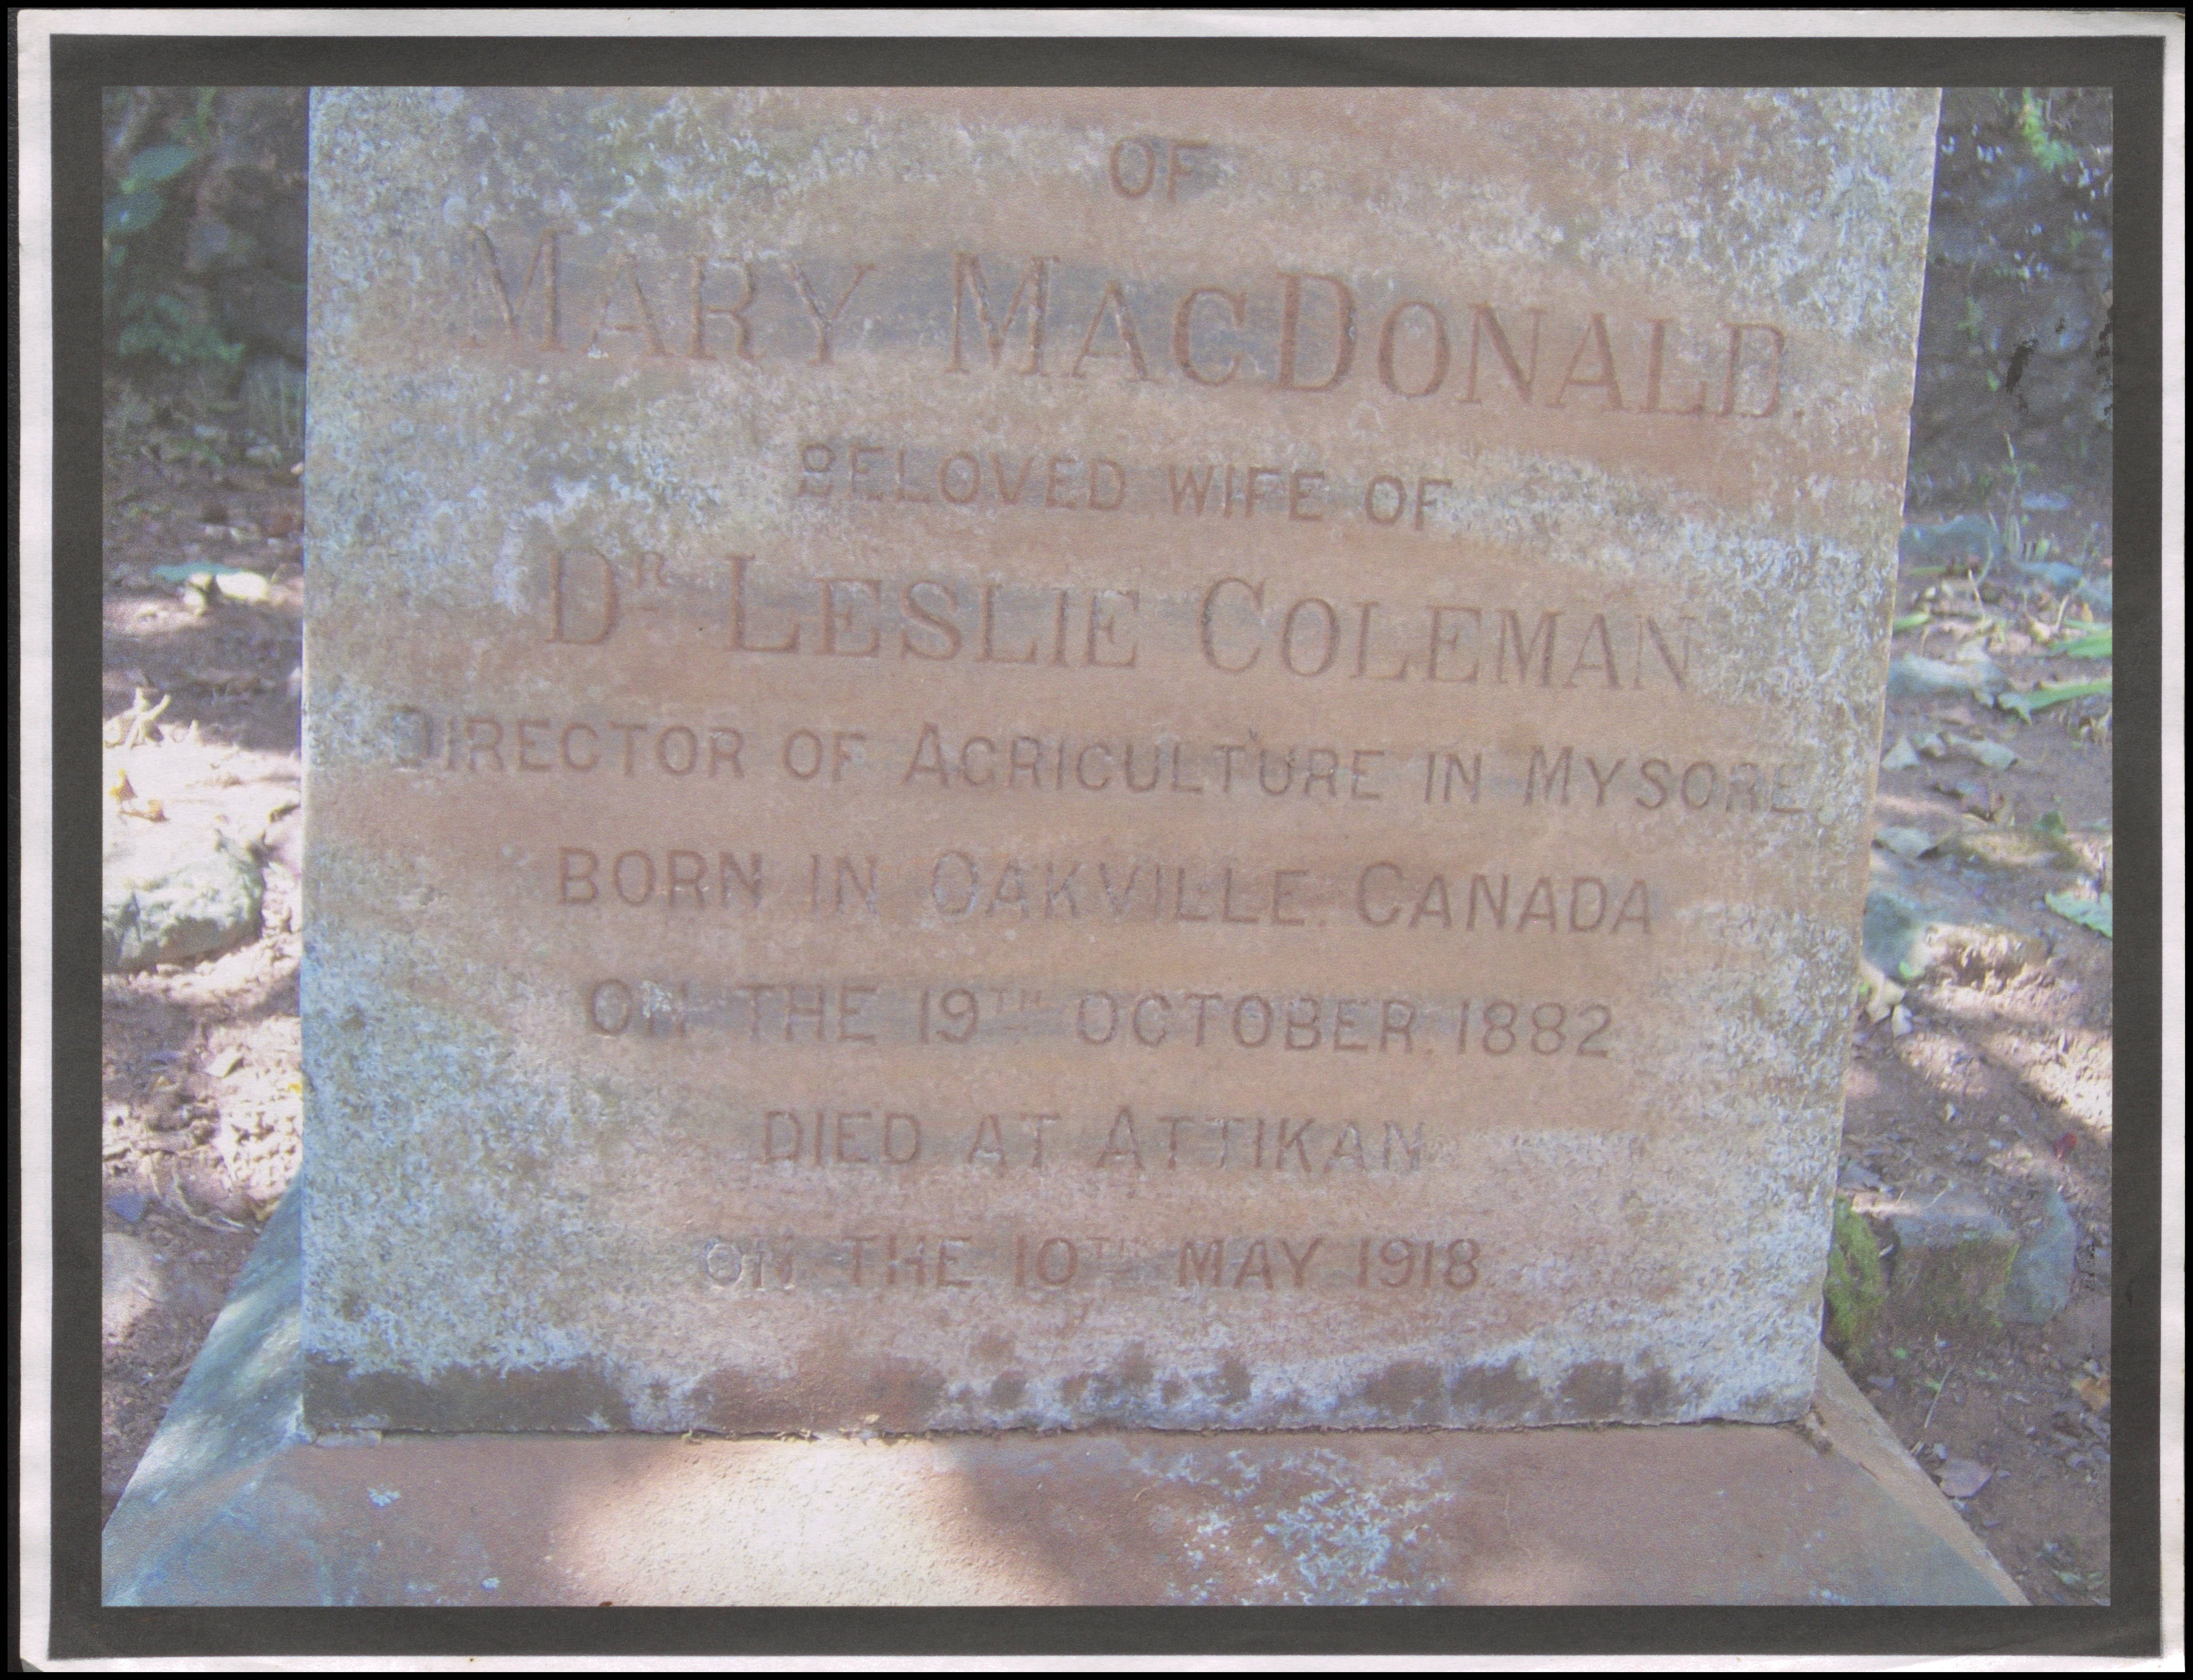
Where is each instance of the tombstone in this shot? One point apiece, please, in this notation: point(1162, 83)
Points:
point(1187, 761)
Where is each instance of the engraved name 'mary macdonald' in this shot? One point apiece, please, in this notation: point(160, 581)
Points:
point(1037, 758)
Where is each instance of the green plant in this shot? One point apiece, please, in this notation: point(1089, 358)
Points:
point(162, 324)
point(146, 316)
point(2048, 152)
point(1855, 1289)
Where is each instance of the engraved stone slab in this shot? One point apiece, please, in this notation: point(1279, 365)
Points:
point(1194, 758)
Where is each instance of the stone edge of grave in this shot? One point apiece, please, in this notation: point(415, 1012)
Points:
point(241, 1526)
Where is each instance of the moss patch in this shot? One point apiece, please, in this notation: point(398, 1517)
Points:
point(1954, 1283)
point(1855, 1287)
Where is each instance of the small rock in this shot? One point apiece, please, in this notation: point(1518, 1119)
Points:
point(2004, 849)
point(2040, 1277)
point(1904, 842)
point(1961, 1478)
point(226, 1065)
point(1992, 753)
point(1968, 537)
point(130, 1282)
point(175, 894)
point(1953, 1255)
point(1901, 756)
point(238, 585)
point(1894, 934)
point(1911, 674)
point(128, 1206)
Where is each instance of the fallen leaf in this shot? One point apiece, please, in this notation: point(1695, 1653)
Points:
point(1913, 620)
point(2094, 1391)
point(2089, 913)
point(227, 1064)
point(2048, 694)
point(2065, 1144)
point(1961, 1478)
point(2094, 647)
point(127, 804)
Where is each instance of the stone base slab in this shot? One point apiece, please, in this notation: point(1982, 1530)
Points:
point(232, 1504)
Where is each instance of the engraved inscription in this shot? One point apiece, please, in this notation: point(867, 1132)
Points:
point(1232, 625)
point(758, 1269)
point(1123, 1020)
point(1148, 758)
point(595, 298)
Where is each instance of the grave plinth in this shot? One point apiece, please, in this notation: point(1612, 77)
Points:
point(235, 1504)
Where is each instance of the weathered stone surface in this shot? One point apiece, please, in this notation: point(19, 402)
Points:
point(234, 1503)
point(174, 892)
point(130, 1282)
point(1952, 1258)
point(2042, 1273)
point(1196, 759)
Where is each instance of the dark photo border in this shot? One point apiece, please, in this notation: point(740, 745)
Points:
point(2131, 65)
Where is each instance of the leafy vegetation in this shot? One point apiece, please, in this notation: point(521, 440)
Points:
point(2048, 152)
point(2094, 913)
point(147, 313)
